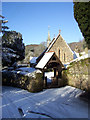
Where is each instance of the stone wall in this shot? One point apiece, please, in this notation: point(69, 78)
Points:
point(77, 74)
point(66, 54)
point(32, 84)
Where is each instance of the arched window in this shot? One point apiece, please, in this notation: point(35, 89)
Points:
point(64, 57)
point(59, 53)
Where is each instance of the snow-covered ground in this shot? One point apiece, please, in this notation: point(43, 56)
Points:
point(49, 75)
point(51, 103)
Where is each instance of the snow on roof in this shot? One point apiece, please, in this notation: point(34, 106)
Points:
point(33, 59)
point(77, 54)
point(44, 60)
point(83, 57)
point(41, 55)
point(80, 58)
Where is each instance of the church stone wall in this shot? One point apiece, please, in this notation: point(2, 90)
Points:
point(62, 50)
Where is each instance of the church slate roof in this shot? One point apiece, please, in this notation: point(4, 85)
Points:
point(44, 53)
point(54, 40)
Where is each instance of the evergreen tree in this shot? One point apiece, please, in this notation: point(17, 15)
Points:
point(13, 49)
point(82, 15)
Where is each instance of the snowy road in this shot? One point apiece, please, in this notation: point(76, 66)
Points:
point(54, 103)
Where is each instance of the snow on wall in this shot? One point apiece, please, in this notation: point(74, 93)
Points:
point(28, 71)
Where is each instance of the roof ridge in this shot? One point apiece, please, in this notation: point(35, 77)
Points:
point(49, 52)
point(52, 42)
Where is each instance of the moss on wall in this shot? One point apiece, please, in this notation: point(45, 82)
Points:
point(77, 74)
point(23, 81)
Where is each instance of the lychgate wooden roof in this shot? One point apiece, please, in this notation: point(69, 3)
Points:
point(49, 60)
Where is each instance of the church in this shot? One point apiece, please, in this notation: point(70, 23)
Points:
point(59, 46)
point(55, 56)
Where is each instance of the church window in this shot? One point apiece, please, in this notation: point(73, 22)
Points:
point(64, 57)
point(59, 53)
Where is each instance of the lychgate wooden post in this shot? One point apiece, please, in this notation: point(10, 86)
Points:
point(44, 79)
point(54, 72)
point(59, 74)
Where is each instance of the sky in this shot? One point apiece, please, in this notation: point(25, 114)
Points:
point(32, 19)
